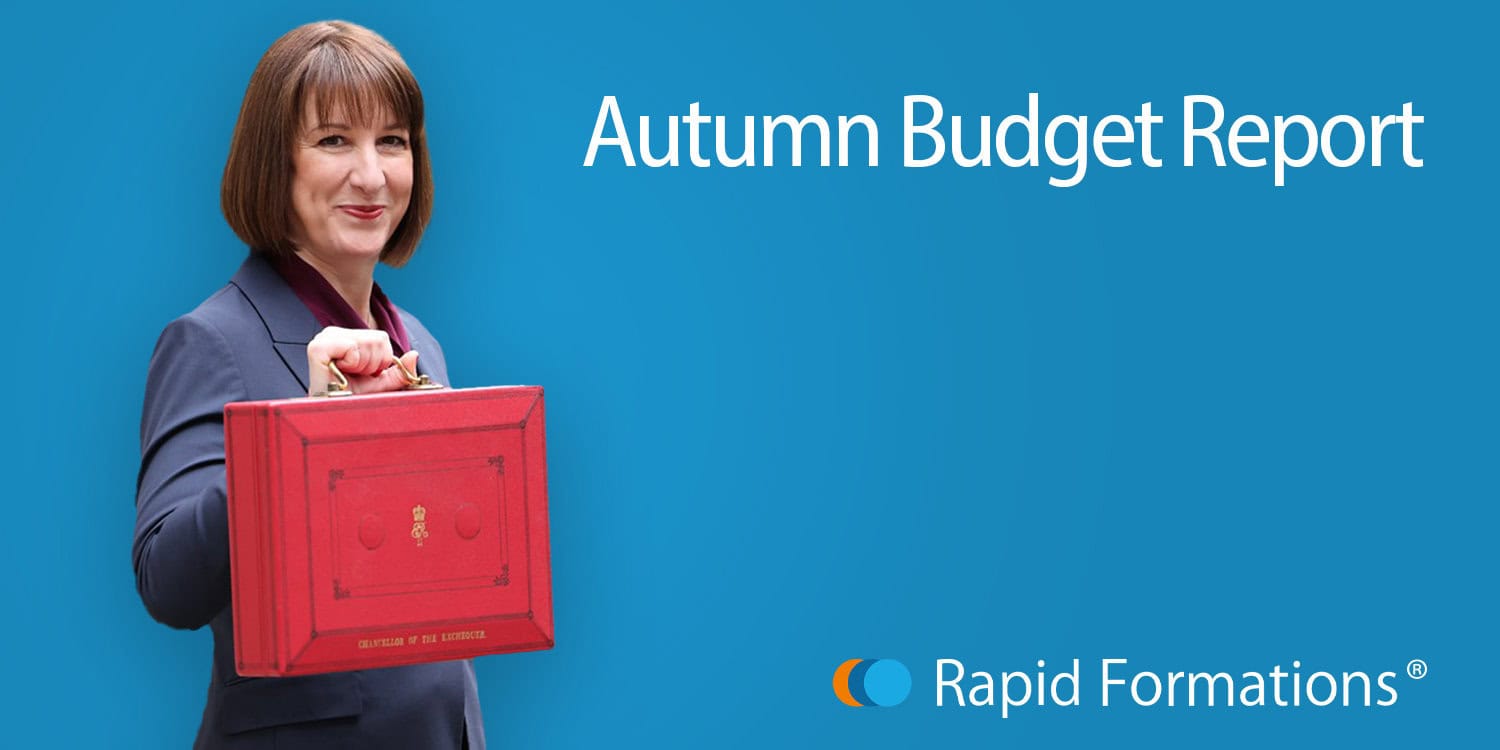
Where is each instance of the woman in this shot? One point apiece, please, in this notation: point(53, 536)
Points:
point(327, 175)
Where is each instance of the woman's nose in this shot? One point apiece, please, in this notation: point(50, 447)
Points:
point(366, 174)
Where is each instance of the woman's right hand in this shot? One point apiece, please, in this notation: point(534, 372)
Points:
point(364, 356)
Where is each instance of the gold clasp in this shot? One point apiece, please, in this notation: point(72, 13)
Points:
point(415, 382)
point(339, 386)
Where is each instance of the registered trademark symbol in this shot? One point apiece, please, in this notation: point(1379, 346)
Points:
point(1416, 669)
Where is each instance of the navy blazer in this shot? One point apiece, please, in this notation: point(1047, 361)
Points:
point(249, 342)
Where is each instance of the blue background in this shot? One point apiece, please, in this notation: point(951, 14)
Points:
point(801, 415)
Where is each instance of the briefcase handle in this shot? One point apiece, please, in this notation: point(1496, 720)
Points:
point(339, 386)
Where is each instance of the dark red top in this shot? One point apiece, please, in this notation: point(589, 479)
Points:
point(329, 307)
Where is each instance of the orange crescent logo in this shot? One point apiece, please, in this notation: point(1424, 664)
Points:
point(841, 682)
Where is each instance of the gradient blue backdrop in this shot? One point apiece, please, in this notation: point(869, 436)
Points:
point(798, 416)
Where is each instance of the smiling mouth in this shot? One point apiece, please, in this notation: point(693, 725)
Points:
point(366, 213)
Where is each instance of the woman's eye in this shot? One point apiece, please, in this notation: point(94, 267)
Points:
point(332, 140)
point(393, 140)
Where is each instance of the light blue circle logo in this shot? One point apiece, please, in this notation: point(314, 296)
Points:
point(871, 682)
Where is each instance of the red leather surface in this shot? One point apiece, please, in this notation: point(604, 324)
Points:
point(397, 528)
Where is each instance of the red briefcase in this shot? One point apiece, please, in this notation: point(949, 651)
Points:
point(386, 529)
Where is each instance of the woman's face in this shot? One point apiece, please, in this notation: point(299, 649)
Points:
point(351, 184)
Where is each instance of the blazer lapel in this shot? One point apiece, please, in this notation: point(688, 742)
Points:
point(289, 322)
point(418, 345)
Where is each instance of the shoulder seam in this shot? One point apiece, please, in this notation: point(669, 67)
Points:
point(239, 370)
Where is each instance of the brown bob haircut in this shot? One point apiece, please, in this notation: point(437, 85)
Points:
point(339, 65)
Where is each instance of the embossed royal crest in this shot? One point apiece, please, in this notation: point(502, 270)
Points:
point(418, 524)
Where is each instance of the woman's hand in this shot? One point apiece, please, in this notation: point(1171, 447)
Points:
point(364, 356)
